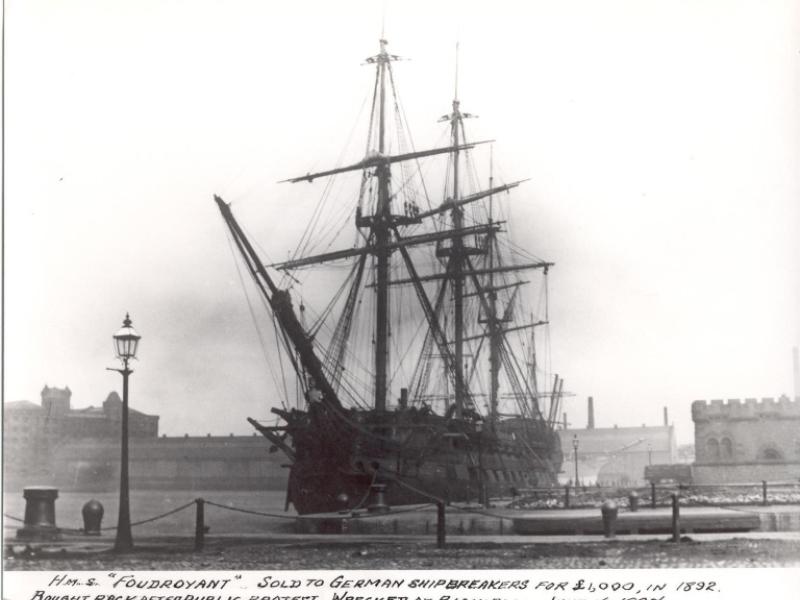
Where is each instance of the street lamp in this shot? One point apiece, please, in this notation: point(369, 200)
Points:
point(575, 447)
point(126, 341)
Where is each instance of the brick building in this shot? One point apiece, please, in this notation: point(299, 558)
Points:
point(615, 455)
point(34, 435)
point(79, 449)
point(745, 442)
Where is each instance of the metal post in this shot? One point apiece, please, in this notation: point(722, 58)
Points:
point(653, 495)
point(199, 525)
point(575, 446)
point(566, 496)
point(440, 536)
point(124, 539)
point(608, 510)
point(676, 519)
point(764, 492)
point(633, 501)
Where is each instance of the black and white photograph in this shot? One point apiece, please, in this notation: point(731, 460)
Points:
point(453, 298)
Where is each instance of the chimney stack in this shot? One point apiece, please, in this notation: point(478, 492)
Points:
point(796, 365)
point(590, 425)
point(565, 421)
point(666, 417)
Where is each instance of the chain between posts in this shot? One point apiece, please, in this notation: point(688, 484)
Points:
point(200, 503)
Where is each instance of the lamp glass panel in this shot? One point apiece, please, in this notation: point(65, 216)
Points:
point(126, 345)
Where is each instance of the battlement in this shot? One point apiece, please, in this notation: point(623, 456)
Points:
point(749, 408)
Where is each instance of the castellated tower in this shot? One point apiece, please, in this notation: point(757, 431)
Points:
point(746, 441)
point(56, 401)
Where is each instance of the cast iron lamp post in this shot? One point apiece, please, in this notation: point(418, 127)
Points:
point(126, 341)
point(575, 447)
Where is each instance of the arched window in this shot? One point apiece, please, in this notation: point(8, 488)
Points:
point(771, 453)
point(726, 449)
point(712, 449)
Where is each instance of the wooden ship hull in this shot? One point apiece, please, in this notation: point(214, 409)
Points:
point(417, 456)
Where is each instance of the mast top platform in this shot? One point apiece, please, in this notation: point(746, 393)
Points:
point(382, 56)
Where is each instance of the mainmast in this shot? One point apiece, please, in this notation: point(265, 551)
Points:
point(380, 231)
point(456, 250)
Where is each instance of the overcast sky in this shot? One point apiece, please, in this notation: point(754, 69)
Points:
point(662, 140)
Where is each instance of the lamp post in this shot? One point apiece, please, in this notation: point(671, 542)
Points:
point(126, 341)
point(649, 453)
point(575, 447)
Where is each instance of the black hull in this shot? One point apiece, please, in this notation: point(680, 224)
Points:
point(420, 457)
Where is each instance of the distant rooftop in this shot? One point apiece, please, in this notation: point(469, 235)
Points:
point(21, 405)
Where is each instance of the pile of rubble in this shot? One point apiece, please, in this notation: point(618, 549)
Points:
point(731, 496)
point(593, 498)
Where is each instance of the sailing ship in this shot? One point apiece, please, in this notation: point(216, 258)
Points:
point(420, 374)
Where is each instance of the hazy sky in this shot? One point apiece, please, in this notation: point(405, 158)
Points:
point(662, 140)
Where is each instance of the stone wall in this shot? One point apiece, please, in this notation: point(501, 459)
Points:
point(752, 473)
point(173, 463)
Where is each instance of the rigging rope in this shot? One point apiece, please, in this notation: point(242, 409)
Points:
point(261, 340)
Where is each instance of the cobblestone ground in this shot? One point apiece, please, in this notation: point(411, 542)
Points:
point(262, 556)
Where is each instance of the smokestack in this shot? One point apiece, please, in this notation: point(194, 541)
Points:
point(666, 417)
point(590, 425)
point(565, 420)
point(796, 365)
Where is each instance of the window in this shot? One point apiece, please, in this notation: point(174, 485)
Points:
point(726, 449)
point(712, 449)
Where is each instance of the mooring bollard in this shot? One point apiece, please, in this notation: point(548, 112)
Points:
point(40, 514)
point(377, 503)
point(199, 525)
point(609, 511)
point(676, 518)
point(764, 492)
point(653, 495)
point(566, 496)
point(633, 501)
point(92, 513)
point(440, 539)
